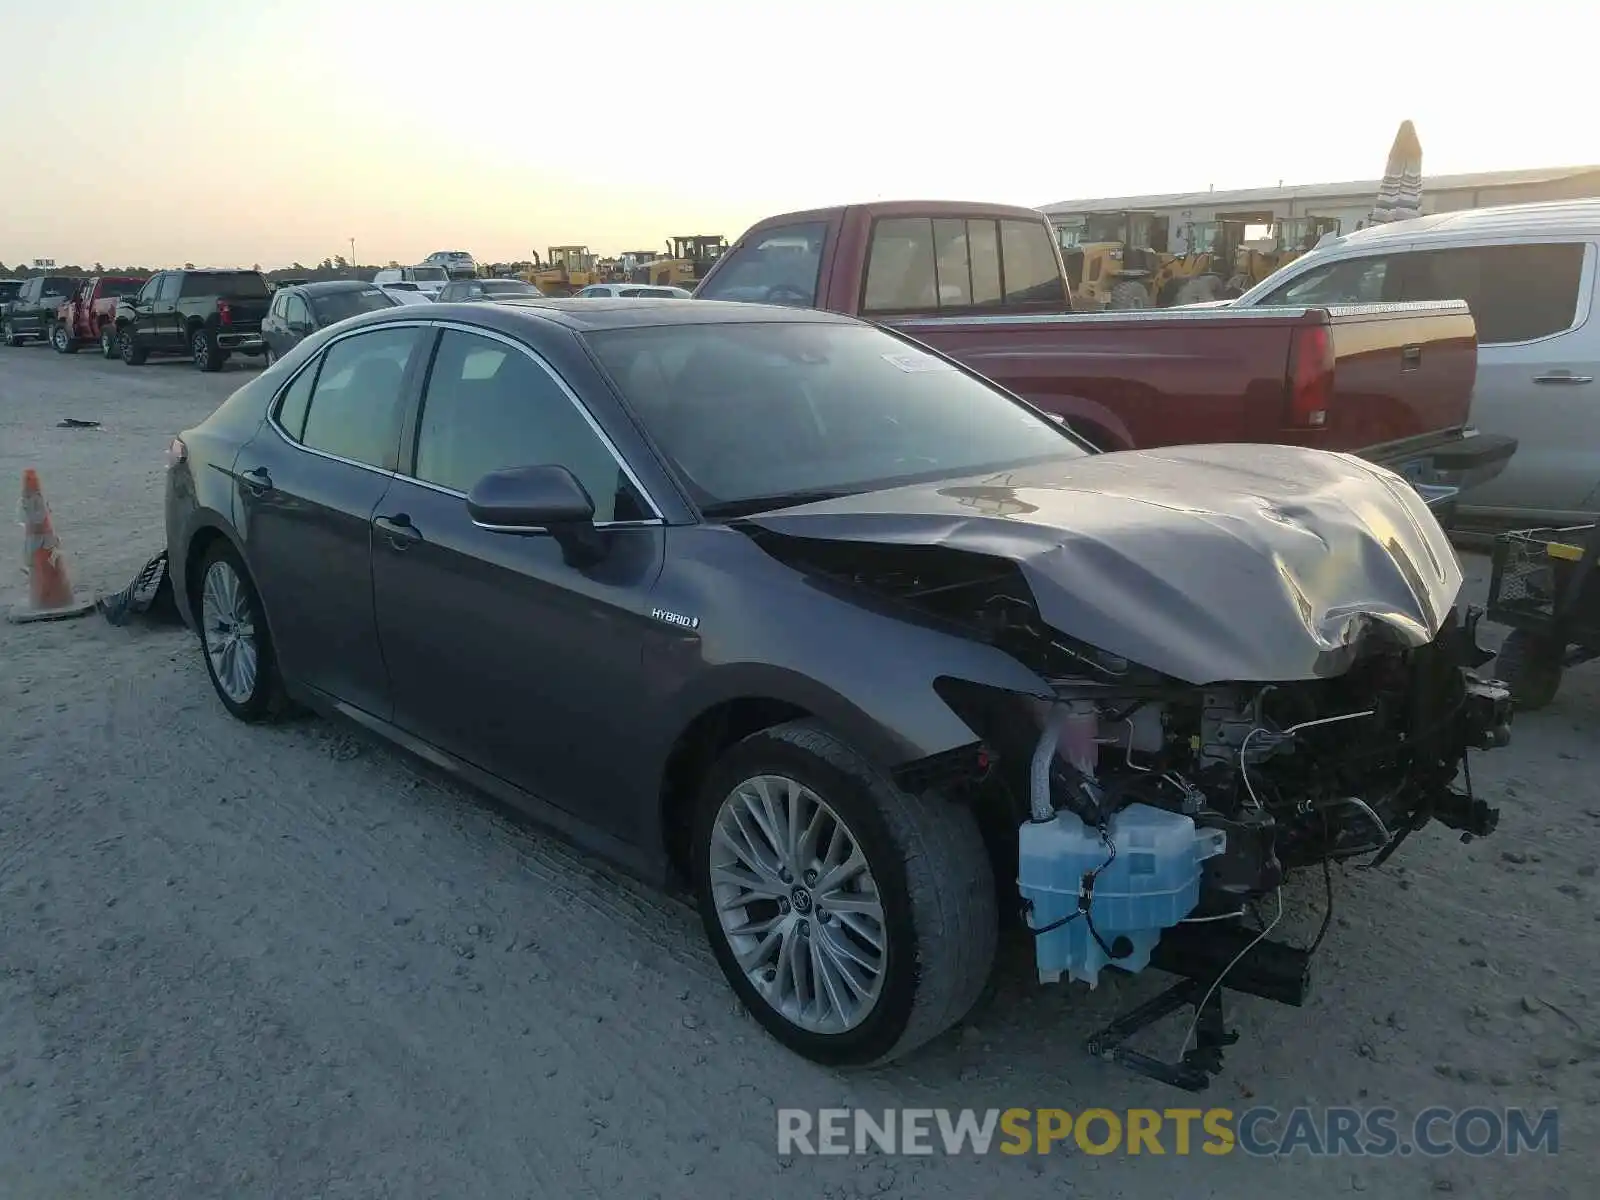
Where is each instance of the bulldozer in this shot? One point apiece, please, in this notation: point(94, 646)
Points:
point(686, 263)
point(1286, 240)
point(564, 270)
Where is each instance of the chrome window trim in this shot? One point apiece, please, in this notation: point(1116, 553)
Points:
point(572, 398)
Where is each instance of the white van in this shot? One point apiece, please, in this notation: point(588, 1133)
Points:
point(1528, 271)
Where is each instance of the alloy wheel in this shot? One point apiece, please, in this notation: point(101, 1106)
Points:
point(229, 629)
point(202, 351)
point(798, 904)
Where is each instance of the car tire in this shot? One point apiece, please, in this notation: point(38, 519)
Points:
point(133, 354)
point(920, 963)
point(1531, 668)
point(268, 358)
point(108, 342)
point(10, 335)
point(208, 356)
point(234, 640)
point(62, 341)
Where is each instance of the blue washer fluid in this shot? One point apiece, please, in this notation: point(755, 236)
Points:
point(1151, 884)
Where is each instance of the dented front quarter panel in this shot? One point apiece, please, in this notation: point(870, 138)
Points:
point(1205, 563)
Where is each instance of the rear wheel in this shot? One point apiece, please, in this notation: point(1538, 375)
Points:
point(208, 356)
point(61, 338)
point(855, 921)
point(1531, 667)
point(1129, 295)
point(234, 639)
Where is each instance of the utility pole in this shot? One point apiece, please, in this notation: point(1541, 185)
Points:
point(352, 254)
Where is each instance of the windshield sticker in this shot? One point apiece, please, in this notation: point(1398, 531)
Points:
point(916, 364)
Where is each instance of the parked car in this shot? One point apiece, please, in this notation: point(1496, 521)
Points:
point(789, 604)
point(466, 290)
point(634, 290)
point(457, 263)
point(404, 293)
point(429, 280)
point(1529, 273)
point(301, 309)
point(31, 313)
point(89, 315)
point(208, 315)
point(985, 284)
point(8, 292)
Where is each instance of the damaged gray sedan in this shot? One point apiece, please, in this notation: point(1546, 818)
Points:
point(874, 655)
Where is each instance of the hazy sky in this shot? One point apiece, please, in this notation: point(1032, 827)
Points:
point(278, 130)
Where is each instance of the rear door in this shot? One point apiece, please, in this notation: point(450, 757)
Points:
point(1538, 365)
point(308, 485)
point(500, 652)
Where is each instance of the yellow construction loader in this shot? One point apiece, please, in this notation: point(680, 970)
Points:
point(564, 271)
point(1124, 260)
point(686, 263)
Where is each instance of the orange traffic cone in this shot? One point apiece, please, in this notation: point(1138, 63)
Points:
point(50, 595)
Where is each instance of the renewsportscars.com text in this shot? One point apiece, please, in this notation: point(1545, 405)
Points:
point(1260, 1131)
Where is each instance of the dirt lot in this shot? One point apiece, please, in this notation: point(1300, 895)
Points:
point(286, 962)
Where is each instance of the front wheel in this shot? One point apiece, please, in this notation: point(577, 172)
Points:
point(62, 340)
point(234, 638)
point(855, 921)
point(108, 342)
point(10, 335)
point(130, 351)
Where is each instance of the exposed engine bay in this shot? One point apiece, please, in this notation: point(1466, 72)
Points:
point(1151, 814)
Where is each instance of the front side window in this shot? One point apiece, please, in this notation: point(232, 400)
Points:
point(1349, 281)
point(1517, 293)
point(356, 407)
point(169, 287)
point(490, 406)
point(150, 290)
point(775, 266)
point(749, 413)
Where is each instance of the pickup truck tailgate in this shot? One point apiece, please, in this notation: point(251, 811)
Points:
point(1400, 371)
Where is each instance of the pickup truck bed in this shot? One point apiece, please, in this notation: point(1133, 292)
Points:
point(1391, 382)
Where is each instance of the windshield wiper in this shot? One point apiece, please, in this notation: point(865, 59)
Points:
point(761, 504)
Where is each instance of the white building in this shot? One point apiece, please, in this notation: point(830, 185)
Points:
point(1349, 202)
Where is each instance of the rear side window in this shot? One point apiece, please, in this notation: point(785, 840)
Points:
point(490, 406)
point(775, 266)
point(921, 264)
point(1517, 293)
point(355, 408)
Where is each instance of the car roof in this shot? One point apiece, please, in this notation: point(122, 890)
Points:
point(320, 286)
point(585, 316)
point(1554, 218)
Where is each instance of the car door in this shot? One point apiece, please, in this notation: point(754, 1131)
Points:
point(144, 307)
point(166, 327)
point(499, 651)
point(274, 328)
point(308, 485)
point(1537, 366)
point(20, 315)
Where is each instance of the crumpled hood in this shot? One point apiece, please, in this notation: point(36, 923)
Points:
point(1206, 563)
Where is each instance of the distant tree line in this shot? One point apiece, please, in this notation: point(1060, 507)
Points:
point(329, 268)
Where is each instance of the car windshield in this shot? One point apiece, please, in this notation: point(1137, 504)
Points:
point(754, 416)
point(336, 306)
point(428, 274)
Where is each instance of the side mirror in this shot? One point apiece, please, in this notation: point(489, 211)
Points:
point(542, 499)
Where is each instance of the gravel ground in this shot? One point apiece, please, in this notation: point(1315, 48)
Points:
point(288, 962)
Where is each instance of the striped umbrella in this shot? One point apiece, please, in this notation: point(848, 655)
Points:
point(1400, 194)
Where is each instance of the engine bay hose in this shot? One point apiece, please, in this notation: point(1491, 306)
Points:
point(1040, 805)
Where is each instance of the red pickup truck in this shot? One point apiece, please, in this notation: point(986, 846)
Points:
point(985, 284)
point(90, 314)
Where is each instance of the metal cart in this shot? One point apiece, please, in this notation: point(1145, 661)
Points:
point(1545, 587)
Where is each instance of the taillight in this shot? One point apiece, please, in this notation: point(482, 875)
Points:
point(1310, 377)
point(177, 453)
point(224, 312)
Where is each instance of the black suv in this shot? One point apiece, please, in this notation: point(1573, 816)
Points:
point(207, 315)
point(31, 313)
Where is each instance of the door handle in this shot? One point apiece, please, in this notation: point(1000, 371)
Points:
point(402, 534)
point(1563, 377)
point(258, 480)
